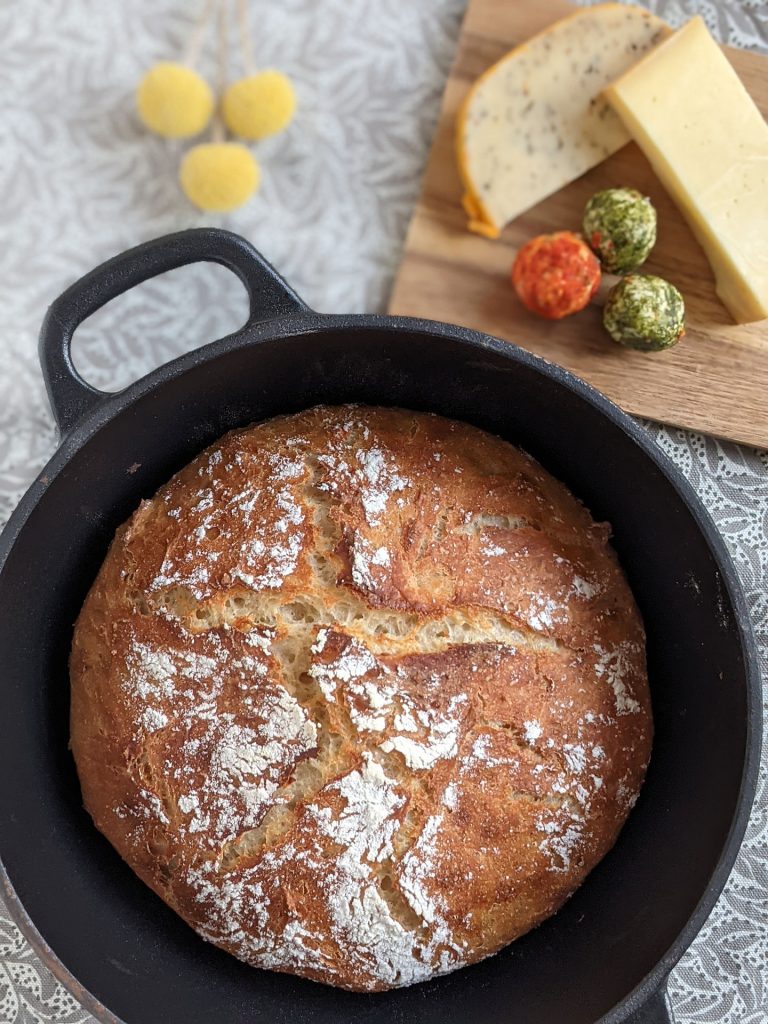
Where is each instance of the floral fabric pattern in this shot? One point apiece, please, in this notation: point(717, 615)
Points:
point(80, 180)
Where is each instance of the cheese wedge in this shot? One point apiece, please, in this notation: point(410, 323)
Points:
point(535, 121)
point(708, 143)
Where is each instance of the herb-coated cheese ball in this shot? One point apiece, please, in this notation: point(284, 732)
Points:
point(645, 312)
point(620, 225)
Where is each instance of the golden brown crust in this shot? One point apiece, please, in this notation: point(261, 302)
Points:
point(361, 693)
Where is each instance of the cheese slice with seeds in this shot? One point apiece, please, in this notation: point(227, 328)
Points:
point(535, 121)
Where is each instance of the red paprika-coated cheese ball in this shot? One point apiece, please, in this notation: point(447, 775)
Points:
point(555, 275)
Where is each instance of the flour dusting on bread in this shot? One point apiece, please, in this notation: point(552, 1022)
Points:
point(361, 693)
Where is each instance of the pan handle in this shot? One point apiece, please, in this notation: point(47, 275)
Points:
point(70, 396)
point(657, 1010)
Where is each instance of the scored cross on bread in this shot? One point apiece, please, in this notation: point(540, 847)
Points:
point(361, 694)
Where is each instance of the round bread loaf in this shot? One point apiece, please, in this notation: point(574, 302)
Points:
point(361, 694)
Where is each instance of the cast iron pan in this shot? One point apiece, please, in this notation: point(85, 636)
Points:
point(606, 955)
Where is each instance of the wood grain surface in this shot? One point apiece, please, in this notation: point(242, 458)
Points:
point(715, 380)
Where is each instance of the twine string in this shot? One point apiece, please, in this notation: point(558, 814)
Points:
point(218, 132)
point(246, 40)
point(197, 36)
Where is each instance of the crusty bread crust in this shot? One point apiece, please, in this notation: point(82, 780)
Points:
point(361, 693)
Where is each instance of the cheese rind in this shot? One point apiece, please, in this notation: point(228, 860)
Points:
point(535, 121)
point(708, 143)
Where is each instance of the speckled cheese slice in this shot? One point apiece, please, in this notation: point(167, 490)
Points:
point(535, 121)
point(708, 143)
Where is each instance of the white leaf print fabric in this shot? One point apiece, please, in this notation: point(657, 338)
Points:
point(81, 180)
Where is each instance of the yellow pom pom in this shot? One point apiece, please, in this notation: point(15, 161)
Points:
point(174, 101)
point(219, 176)
point(259, 105)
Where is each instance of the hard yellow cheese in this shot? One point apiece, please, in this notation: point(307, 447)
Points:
point(535, 120)
point(708, 143)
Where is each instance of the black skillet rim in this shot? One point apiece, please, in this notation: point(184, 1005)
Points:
point(301, 322)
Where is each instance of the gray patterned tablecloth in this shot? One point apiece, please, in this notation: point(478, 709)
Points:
point(80, 180)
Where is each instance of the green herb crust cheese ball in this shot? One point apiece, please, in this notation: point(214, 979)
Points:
point(645, 312)
point(620, 225)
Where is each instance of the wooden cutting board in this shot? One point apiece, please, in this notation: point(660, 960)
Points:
point(715, 380)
